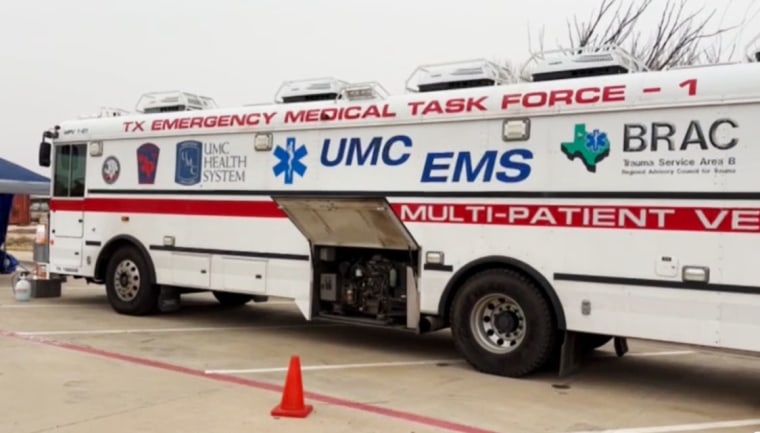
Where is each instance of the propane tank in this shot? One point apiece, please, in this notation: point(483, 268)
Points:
point(22, 289)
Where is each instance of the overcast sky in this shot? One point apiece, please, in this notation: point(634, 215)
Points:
point(63, 58)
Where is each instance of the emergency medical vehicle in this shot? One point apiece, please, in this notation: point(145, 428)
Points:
point(537, 217)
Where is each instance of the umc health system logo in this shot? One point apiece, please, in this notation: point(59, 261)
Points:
point(289, 160)
point(591, 147)
point(189, 159)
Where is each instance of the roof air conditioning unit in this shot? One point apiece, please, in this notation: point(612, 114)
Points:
point(565, 64)
point(315, 89)
point(172, 101)
point(458, 75)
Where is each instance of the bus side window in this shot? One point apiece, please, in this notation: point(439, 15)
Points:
point(69, 170)
point(78, 164)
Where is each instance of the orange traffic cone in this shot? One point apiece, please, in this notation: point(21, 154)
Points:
point(292, 404)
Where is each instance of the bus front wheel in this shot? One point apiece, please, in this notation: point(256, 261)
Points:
point(128, 284)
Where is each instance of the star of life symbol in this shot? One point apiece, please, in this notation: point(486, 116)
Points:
point(596, 140)
point(289, 160)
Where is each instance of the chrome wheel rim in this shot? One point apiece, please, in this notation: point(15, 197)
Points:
point(127, 280)
point(498, 323)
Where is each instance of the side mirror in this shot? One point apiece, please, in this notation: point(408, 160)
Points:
point(44, 154)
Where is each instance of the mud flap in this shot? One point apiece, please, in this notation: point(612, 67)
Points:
point(169, 299)
point(621, 346)
point(571, 355)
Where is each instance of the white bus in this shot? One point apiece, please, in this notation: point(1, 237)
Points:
point(536, 218)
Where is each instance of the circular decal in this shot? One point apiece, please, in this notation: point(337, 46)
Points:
point(111, 170)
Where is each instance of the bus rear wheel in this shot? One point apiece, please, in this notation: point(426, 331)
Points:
point(502, 324)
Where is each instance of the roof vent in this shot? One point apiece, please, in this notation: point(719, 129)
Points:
point(315, 89)
point(458, 75)
point(586, 62)
point(170, 101)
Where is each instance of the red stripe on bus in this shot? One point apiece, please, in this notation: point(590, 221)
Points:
point(234, 208)
point(666, 218)
point(699, 219)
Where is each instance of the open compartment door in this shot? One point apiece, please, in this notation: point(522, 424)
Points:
point(364, 260)
point(365, 222)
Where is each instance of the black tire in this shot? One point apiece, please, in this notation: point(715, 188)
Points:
point(232, 299)
point(537, 334)
point(140, 296)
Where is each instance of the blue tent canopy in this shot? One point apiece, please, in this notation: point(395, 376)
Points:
point(15, 179)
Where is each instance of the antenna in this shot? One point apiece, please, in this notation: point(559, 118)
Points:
point(105, 112)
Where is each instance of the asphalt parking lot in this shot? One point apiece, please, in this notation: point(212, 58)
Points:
point(71, 364)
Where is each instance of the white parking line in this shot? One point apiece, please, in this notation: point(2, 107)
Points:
point(337, 366)
point(161, 330)
point(682, 427)
point(650, 354)
point(34, 305)
point(663, 353)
